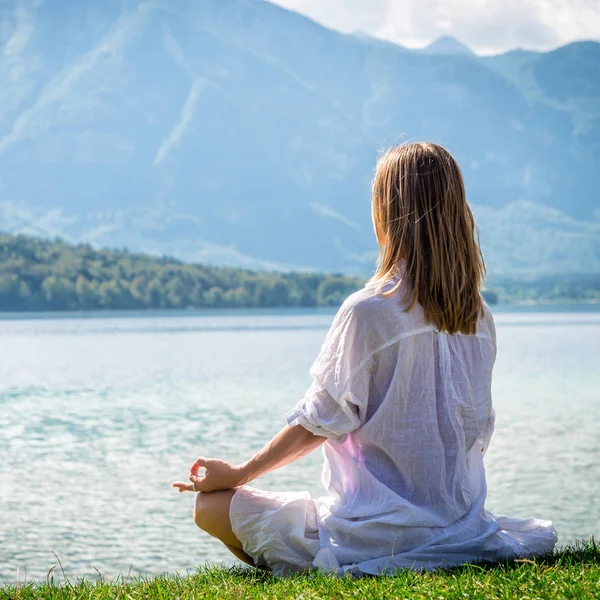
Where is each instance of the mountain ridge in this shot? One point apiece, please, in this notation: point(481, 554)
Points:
point(242, 133)
point(447, 44)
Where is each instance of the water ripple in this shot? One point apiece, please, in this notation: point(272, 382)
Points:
point(98, 416)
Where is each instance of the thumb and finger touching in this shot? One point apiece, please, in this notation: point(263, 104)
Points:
point(198, 463)
point(198, 482)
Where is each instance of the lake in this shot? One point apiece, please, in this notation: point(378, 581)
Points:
point(100, 413)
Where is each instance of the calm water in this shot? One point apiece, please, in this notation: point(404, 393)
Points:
point(99, 415)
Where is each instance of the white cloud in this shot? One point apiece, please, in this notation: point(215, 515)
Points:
point(487, 26)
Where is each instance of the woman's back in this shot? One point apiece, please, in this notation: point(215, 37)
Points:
point(429, 401)
point(408, 433)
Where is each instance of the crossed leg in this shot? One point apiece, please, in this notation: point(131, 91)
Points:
point(211, 514)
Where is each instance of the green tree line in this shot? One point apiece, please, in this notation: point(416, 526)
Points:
point(38, 274)
point(562, 287)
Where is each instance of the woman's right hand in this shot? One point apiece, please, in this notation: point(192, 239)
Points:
point(218, 475)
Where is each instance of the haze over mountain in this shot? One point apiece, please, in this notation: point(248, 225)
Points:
point(236, 132)
point(447, 45)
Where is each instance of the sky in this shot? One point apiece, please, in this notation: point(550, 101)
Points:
point(486, 26)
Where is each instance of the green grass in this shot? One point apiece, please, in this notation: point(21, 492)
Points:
point(573, 572)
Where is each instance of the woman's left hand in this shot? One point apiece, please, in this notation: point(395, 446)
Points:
point(219, 475)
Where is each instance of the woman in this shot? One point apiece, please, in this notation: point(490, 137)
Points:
point(400, 402)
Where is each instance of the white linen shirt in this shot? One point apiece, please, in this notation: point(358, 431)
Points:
point(408, 414)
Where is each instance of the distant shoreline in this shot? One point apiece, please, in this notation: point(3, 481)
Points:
point(550, 302)
point(50, 276)
point(533, 307)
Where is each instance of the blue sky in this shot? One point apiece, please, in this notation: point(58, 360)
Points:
point(487, 26)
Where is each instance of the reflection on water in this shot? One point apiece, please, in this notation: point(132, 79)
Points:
point(99, 415)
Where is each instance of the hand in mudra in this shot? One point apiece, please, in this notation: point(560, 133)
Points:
point(218, 475)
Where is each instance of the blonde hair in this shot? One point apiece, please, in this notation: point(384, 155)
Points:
point(426, 232)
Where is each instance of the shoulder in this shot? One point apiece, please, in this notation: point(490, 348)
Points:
point(368, 308)
point(363, 303)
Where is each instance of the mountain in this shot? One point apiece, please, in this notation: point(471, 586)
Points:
point(236, 132)
point(447, 44)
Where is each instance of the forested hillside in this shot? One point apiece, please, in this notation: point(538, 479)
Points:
point(42, 275)
point(52, 275)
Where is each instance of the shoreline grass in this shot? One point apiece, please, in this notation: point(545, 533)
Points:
point(571, 572)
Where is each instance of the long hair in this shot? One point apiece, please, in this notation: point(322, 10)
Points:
point(426, 232)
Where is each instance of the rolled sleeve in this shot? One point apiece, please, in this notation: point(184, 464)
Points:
point(322, 415)
point(336, 402)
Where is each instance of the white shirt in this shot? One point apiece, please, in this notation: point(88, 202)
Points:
point(408, 414)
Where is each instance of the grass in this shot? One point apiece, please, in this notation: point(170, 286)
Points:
point(573, 572)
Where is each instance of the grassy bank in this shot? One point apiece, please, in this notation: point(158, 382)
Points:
point(573, 572)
